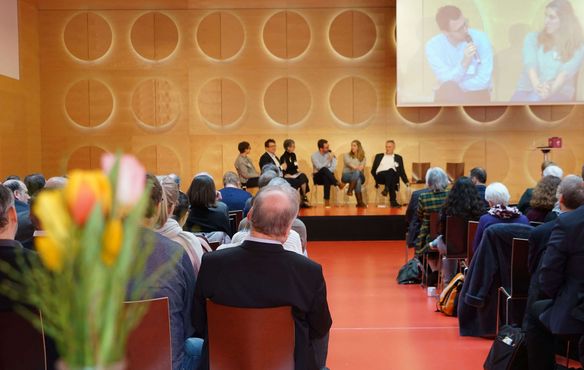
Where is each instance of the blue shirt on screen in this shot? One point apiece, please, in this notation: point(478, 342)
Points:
point(446, 61)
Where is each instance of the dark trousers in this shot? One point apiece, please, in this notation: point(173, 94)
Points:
point(297, 182)
point(252, 182)
point(540, 341)
point(390, 180)
point(326, 178)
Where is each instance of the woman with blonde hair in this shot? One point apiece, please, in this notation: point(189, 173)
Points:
point(353, 171)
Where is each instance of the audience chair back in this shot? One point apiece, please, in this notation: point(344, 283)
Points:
point(471, 233)
point(434, 225)
point(235, 218)
point(149, 344)
point(21, 345)
point(250, 338)
point(456, 237)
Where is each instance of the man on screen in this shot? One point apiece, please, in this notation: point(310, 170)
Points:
point(461, 58)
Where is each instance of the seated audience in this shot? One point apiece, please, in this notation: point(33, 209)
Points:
point(177, 284)
point(543, 199)
point(292, 243)
point(207, 215)
point(412, 220)
point(232, 194)
point(181, 209)
point(34, 183)
point(547, 168)
point(57, 182)
point(561, 279)
point(267, 175)
point(295, 178)
point(430, 202)
point(248, 175)
point(353, 171)
point(12, 177)
point(478, 176)
point(21, 198)
point(171, 229)
point(324, 163)
point(269, 276)
point(499, 211)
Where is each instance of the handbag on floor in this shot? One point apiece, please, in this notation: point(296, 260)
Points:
point(509, 350)
point(410, 273)
point(448, 301)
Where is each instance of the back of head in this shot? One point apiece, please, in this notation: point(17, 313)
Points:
point(181, 208)
point(479, 174)
point(231, 178)
point(266, 177)
point(202, 192)
point(544, 193)
point(14, 185)
point(34, 183)
point(571, 192)
point(278, 181)
point(436, 179)
point(169, 199)
point(56, 182)
point(155, 196)
point(6, 203)
point(553, 170)
point(464, 200)
point(274, 210)
point(497, 193)
point(269, 167)
point(446, 14)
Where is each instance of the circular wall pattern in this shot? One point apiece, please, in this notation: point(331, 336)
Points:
point(159, 159)
point(353, 101)
point(87, 36)
point(485, 114)
point(418, 115)
point(221, 102)
point(156, 103)
point(220, 36)
point(287, 101)
point(551, 113)
point(85, 158)
point(352, 34)
point(154, 36)
point(490, 155)
point(89, 103)
point(286, 35)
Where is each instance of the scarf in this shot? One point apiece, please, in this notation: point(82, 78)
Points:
point(504, 212)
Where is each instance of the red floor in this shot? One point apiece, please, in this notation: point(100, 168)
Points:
point(378, 324)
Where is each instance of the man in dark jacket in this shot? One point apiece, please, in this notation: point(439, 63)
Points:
point(21, 198)
point(387, 170)
point(260, 273)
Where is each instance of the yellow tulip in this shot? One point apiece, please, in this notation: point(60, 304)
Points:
point(51, 210)
point(112, 241)
point(84, 190)
point(51, 253)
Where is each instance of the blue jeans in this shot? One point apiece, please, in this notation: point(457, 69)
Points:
point(356, 176)
point(193, 351)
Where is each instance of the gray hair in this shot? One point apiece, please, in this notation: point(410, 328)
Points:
point(571, 189)
point(497, 193)
point(436, 179)
point(230, 178)
point(266, 177)
point(274, 210)
point(6, 202)
point(553, 171)
point(15, 185)
point(57, 182)
point(278, 181)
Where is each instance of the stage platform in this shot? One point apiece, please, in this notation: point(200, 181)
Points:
point(347, 222)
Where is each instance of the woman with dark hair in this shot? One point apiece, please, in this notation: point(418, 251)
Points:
point(552, 57)
point(353, 171)
point(248, 175)
point(544, 199)
point(296, 179)
point(206, 214)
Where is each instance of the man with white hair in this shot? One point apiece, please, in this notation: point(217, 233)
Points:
point(21, 198)
point(260, 273)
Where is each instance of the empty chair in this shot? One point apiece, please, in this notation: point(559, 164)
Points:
point(250, 338)
point(149, 344)
point(454, 170)
point(419, 170)
point(22, 346)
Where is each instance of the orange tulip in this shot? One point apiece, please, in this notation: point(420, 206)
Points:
point(84, 190)
point(112, 241)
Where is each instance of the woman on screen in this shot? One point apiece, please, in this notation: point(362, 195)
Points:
point(552, 57)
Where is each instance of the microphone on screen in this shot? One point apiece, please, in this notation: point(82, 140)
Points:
point(468, 39)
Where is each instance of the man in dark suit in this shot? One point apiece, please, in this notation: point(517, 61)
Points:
point(21, 197)
point(260, 273)
point(562, 280)
point(478, 176)
point(270, 157)
point(387, 169)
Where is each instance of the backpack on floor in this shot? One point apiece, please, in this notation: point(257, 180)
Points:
point(410, 273)
point(508, 351)
point(448, 300)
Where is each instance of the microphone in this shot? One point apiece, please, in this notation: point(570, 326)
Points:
point(468, 39)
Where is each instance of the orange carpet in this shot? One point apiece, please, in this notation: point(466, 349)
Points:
point(378, 324)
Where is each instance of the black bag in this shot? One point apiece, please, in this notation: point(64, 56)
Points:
point(509, 350)
point(410, 273)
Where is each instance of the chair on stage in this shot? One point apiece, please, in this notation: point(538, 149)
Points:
point(22, 346)
point(419, 170)
point(317, 194)
point(454, 170)
point(149, 344)
point(250, 338)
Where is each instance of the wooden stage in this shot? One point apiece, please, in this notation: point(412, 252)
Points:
point(347, 222)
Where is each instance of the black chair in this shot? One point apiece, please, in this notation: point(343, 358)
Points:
point(22, 346)
point(434, 232)
point(470, 237)
point(235, 218)
point(455, 240)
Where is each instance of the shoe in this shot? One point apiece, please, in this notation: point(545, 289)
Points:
point(350, 192)
point(394, 204)
point(341, 185)
point(384, 192)
point(327, 203)
point(360, 203)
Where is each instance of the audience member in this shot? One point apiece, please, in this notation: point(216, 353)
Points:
point(412, 220)
point(232, 194)
point(34, 183)
point(56, 182)
point(248, 175)
point(269, 276)
point(297, 179)
point(387, 170)
point(207, 215)
point(264, 180)
point(12, 177)
point(478, 176)
point(170, 228)
point(174, 177)
point(177, 284)
point(430, 202)
point(543, 199)
point(181, 209)
point(292, 243)
point(21, 198)
point(523, 204)
point(324, 163)
point(499, 212)
point(270, 157)
point(353, 171)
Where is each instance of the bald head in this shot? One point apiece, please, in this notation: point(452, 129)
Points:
point(274, 209)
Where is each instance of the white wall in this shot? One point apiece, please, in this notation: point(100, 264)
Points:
point(9, 61)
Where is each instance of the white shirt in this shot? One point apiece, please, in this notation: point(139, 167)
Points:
point(292, 244)
point(387, 163)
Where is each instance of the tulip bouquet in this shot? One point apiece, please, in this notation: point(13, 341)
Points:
point(91, 253)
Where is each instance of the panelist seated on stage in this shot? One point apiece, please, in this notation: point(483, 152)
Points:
point(387, 169)
point(270, 157)
point(248, 175)
point(324, 163)
point(295, 178)
point(461, 59)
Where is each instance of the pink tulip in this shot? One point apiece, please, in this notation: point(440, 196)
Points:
point(131, 179)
